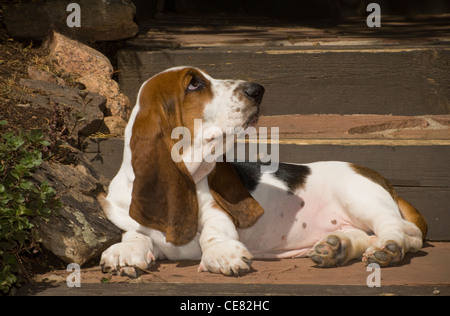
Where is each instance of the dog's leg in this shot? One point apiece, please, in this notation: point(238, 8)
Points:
point(219, 239)
point(372, 208)
point(337, 248)
point(395, 238)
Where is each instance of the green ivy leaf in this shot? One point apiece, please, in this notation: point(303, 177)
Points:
point(45, 143)
point(26, 185)
point(35, 135)
point(20, 198)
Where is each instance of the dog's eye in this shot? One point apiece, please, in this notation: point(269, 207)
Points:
point(195, 84)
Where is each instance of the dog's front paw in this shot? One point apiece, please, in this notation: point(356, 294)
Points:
point(123, 258)
point(228, 257)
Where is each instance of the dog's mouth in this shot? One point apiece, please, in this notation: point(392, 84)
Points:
point(252, 120)
point(216, 137)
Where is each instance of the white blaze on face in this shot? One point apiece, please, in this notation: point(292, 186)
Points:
point(231, 112)
point(229, 106)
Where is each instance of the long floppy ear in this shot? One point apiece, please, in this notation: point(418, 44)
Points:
point(164, 195)
point(230, 193)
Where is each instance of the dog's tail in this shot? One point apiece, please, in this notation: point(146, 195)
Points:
point(411, 214)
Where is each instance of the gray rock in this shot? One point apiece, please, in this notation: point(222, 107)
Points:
point(87, 108)
point(101, 20)
point(79, 232)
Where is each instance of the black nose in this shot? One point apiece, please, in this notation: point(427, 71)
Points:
point(254, 91)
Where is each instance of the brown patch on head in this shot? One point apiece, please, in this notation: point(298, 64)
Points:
point(195, 100)
point(161, 94)
point(179, 102)
point(375, 177)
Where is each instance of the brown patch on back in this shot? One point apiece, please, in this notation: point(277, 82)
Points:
point(411, 214)
point(408, 212)
point(375, 177)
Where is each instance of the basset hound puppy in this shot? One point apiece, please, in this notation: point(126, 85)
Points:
point(227, 213)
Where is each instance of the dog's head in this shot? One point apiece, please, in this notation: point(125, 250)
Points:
point(164, 194)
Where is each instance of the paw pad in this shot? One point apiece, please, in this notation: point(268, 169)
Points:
point(389, 255)
point(329, 252)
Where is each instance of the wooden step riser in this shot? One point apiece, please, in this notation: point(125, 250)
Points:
point(420, 174)
point(399, 81)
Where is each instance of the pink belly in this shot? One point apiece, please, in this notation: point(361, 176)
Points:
point(292, 224)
